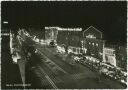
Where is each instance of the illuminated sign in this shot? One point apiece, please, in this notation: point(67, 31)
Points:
point(109, 51)
point(70, 29)
point(65, 29)
point(51, 27)
point(90, 36)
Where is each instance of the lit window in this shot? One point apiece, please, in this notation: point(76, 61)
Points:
point(96, 44)
point(93, 44)
point(85, 50)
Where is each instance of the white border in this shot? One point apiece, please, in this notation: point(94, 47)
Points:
point(63, 0)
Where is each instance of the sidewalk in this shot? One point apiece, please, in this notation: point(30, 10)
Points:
point(10, 72)
point(22, 61)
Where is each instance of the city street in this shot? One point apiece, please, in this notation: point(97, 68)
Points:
point(63, 45)
point(50, 71)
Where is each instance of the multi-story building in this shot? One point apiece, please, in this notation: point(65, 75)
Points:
point(93, 42)
point(119, 54)
point(121, 57)
point(71, 38)
point(109, 56)
point(51, 33)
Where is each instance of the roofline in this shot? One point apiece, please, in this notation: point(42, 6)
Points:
point(109, 48)
point(94, 28)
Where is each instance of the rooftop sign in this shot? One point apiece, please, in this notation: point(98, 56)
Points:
point(64, 29)
point(90, 36)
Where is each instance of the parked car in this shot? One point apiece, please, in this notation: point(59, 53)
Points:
point(52, 43)
point(76, 58)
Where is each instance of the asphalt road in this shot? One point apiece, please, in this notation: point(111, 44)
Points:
point(50, 71)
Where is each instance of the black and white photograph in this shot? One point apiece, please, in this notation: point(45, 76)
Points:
point(63, 45)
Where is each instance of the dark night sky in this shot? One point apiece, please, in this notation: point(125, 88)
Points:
point(109, 17)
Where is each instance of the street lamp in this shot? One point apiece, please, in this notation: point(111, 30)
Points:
point(82, 43)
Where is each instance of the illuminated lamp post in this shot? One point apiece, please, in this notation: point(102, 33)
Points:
point(5, 24)
point(82, 43)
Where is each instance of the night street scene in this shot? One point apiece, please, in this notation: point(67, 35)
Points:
point(64, 45)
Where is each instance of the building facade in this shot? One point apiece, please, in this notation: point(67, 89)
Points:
point(121, 57)
point(109, 56)
point(120, 53)
point(93, 42)
point(70, 38)
point(51, 34)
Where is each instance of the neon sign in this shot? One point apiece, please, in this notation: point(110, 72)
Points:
point(65, 29)
point(90, 36)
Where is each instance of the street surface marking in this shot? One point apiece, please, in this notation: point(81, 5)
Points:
point(39, 75)
point(48, 78)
